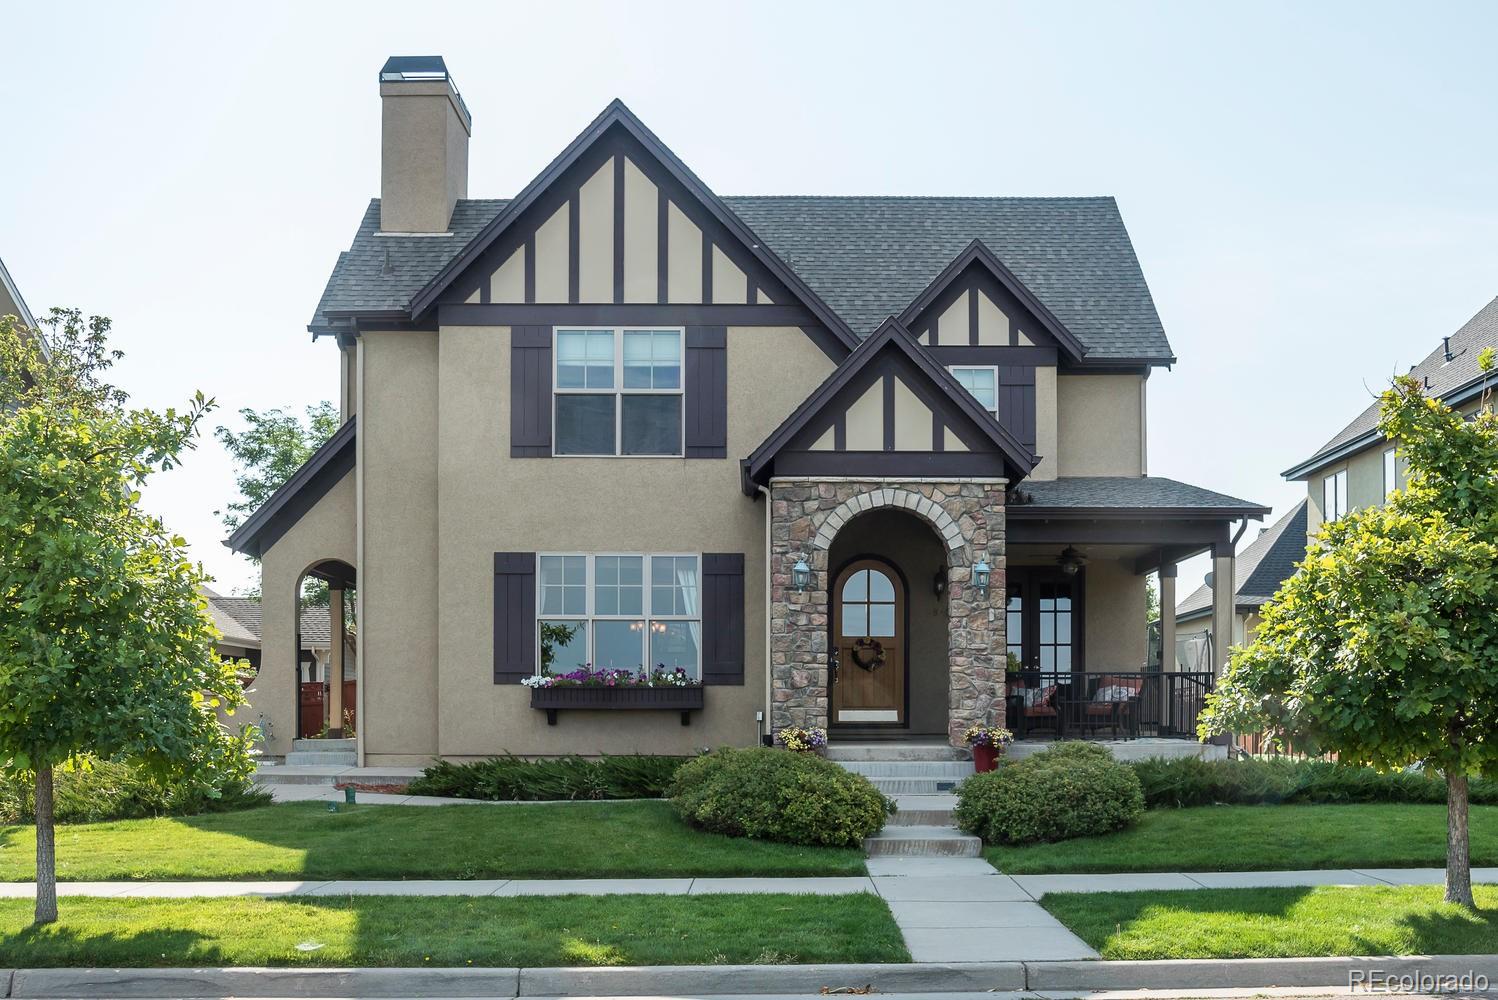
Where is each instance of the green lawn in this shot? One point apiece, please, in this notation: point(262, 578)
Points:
point(452, 931)
point(304, 840)
point(1279, 923)
point(1258, 838)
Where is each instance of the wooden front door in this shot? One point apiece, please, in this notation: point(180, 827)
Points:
point(868, 640)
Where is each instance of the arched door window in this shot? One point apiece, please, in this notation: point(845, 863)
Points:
point(868, 604)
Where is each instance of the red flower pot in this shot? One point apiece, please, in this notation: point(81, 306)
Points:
point(985, 758)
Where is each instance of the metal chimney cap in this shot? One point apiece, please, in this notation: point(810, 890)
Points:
point(413, 68)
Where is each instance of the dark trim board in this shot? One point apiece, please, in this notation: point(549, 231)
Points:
point(994, 355)
point(1142, 529)
point(888, 464)
point(309, 484)
point(625, 314)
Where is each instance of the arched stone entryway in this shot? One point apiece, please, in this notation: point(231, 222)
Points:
point(806, 515)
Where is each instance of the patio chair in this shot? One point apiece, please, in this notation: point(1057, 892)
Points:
point(1032, 707)
point(1114, 705)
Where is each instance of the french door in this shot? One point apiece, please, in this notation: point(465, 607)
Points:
point(1043, 619)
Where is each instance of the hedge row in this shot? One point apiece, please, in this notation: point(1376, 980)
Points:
point(1189, 781)
point(561, 778)
point(97, 790)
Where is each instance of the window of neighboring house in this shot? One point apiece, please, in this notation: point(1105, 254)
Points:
point(1391, 472)
point(1334, 496)
point(618, 392)
point(619, 612)
point(982, 383)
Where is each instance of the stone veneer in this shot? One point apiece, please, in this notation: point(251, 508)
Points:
point(966, 514)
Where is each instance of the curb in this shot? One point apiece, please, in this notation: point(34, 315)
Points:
point(727, 980)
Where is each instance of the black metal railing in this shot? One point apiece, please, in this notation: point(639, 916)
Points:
point(1105, 704)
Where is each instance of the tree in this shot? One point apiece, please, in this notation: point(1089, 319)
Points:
point(106, 648)
point(1383, 648)
point(272, 447)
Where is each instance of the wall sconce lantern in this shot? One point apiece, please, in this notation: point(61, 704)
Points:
point(980, 577)
point(800, 575)
point(939, 581)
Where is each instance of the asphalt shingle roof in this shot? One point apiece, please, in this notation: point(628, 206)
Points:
point(866, 257)
point(1439, 376)
point(1126, 493)
point(1261, 567)
point(244, 612)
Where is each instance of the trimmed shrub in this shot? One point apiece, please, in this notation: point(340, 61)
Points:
point(767, 794)
point(99, 790)
point(1190, 781)
point(1069, 790)
point(561, 778)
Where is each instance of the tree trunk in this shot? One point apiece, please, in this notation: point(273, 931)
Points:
point(1458, 850)
point(46, 851)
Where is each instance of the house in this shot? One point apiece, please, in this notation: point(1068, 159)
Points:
point(833, 457)
point(12, 304)
point(1260, 568)
point(1358, 467)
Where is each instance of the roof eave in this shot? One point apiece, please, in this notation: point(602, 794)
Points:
point(245, 538)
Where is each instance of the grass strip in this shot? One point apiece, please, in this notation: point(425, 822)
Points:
point(1262, 838)
point(1279, 922)
point(454, 931)
point(304, 840)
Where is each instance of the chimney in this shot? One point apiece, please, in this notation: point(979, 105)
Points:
point(423, 145)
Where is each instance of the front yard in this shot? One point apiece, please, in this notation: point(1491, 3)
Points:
point(304, 840)
point(415, 931)
point(1262, 838)
point(1279, 923)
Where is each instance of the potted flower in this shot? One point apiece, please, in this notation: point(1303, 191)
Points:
point(799, 740)
point(988, 743)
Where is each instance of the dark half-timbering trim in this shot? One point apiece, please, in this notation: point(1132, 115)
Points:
point(617, 116)
point(1037, 357)
point(977, 254)
point(621, 314)
point(309, 484)
point(888, 464)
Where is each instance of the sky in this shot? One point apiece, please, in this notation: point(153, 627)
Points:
point(1310, 187)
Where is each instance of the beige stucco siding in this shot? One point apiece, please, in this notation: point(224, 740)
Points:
point(1114, 608)
point(1365, 484)
point(490, 503)
point(324, 532)
point(1099, 425)
point(398, 582)
point(1045, 422)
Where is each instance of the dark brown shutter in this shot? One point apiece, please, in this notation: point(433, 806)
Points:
point(514, 616)
point(706, 419)
point(723, 618)
point(1017, 402)
point(530, 392)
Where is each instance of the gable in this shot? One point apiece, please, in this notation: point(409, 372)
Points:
point(889, 410)
point(618, 222)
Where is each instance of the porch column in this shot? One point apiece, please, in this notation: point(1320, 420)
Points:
point(335, 664)
point(1167, 616)
point(1222, 606)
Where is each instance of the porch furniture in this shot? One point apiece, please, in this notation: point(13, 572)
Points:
point(552, 700)
point(1113, 705)
point(1030, 707)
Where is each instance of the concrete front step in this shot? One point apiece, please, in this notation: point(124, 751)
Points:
point(324, 746)
point(322, 758)
point(893, 752)
point(957, 769)
point(915, 786)
point(922, 842)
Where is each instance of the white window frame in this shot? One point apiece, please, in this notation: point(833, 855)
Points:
point(953, 369)
point(590, 613)
point(619, 391)
point(1391, 472)
point(1334, 495)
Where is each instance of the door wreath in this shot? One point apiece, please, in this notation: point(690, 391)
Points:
point(868, 654)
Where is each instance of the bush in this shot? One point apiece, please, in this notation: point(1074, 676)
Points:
point(97, 790)
point(1069, 790)
point(771, 794)
point(1256, 781)
point(508, 778)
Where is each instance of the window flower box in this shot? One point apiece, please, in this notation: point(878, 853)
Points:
point(551, 700)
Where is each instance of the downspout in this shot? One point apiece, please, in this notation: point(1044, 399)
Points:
point(769, 507)
point(362, 725)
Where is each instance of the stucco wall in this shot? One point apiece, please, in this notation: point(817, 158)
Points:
point(324, 532)
point(1099, 425)
point(488, 502)
point(1365, 484)
point(398, 580)
point(1114, 608)
point(913, 547)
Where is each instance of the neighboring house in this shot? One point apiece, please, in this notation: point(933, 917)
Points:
point(832, 456)
point(1261, 567)
point(12, 304)
point(1356, 468)
point(238, 621)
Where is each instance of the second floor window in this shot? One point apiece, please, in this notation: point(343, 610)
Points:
point(982, 383)
point(618, 391)
point(1334, 496)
